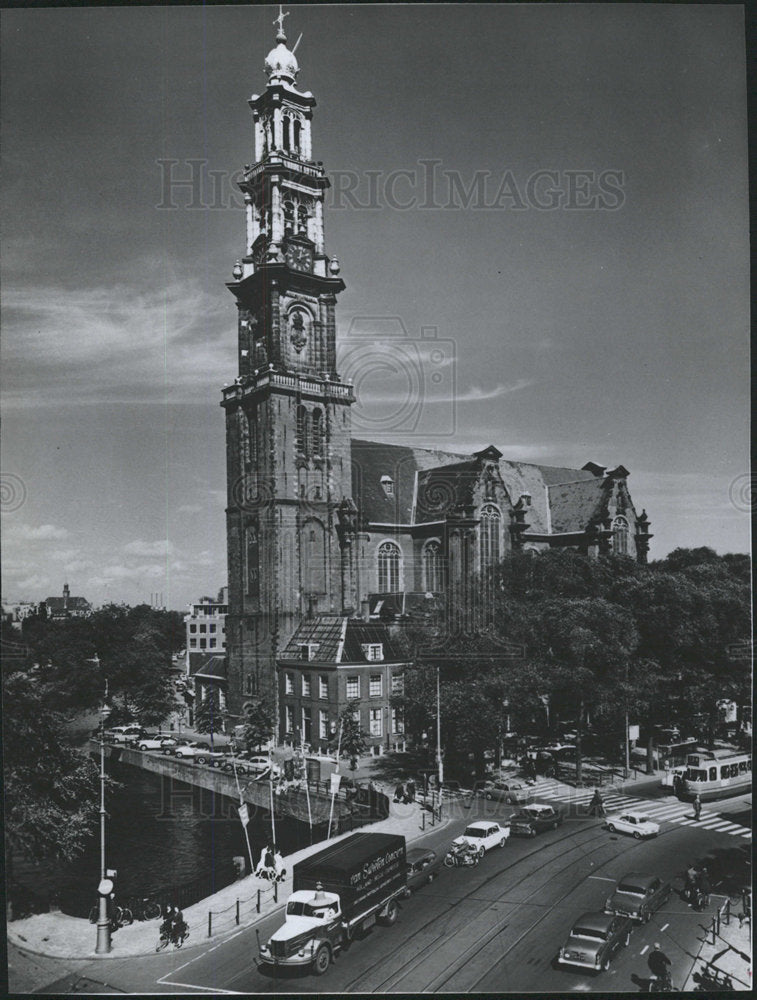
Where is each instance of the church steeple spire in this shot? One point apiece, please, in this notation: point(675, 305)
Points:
point(280, 63)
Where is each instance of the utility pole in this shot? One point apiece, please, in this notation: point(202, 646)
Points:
point(105, 887)
point(439, 761)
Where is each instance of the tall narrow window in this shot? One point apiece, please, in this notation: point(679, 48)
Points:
point(490, 531)
point(302, 220)
point(288, 218)
point(389, 567)
point(317, 432)
point(432, 566)
point(297, 128)
point(620, 536)
point(302, 430)
point(285, 130)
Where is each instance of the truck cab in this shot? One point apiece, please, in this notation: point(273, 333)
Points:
point(312, 918)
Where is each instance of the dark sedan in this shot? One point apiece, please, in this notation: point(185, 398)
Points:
point(638, 896)
point(422, 867)
point(535, 819)
point(594, 940)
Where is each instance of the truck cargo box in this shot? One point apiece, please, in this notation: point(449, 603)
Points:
point(363, 869)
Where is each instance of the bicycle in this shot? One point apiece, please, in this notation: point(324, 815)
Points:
point(120, 916)
point(661, 984)
point(172, 935)
point(145, 908)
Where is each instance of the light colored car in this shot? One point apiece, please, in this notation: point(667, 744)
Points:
point(594, 940)
point(505, 791)
point(482, 836)
point(164, 743)
point(122, 734)
point(636, 823)
point(192, 751)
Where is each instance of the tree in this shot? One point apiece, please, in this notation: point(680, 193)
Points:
point(349, 737)
point(51, 790)
point(258, 723)
point(209, 717)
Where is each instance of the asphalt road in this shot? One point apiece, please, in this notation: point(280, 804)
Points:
point(493, 928)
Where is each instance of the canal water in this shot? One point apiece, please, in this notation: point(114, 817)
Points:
point(165, 838)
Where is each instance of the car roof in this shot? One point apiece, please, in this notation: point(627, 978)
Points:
point(595, 921)
point(638, 878)
point(634, 812)
point(480, 825)
point(417, 853)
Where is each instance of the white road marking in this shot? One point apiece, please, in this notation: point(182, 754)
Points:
point(203, 989)
point(644, 950)
point(601, 878)
point(202, 955)
point(664, 927)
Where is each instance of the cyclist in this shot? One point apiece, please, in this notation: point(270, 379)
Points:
point(659, 966)
point(178, 925)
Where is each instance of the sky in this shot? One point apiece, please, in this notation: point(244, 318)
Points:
point(541, 215)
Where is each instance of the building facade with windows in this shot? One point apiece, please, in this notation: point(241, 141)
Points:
point(62, 609)
point(318, 521)
point(330, 662)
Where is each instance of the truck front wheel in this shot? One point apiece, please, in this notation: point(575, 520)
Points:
point(390, 914)
point(322, 960)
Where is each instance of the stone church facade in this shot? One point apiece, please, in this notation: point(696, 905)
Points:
point(319, 522)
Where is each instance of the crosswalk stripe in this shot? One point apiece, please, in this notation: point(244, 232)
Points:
point(685, 822)
point(747, 834)
point(713, 824)
point(732, 826)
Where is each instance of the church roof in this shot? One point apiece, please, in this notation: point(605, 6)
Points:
point(575, 505)
point(203, 665)
point(339, 639)
point(562, 499)
point(67, 604)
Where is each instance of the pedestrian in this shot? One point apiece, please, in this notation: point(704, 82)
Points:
point(692, 877)
point(410, 789)
point(697, 808)
point(596, 806)
point(278, 864)
point(399, 793)
point(261, 863)
point(659, 964)
point(705, 887)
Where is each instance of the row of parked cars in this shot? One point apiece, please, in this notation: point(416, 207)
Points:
point(225, 758)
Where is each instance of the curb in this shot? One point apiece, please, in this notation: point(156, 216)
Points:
point(216, 938)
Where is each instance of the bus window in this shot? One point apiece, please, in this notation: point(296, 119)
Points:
point(724, 771)
point(694, 775)
point(713, 773)
point(692, 760)
point(734, 770)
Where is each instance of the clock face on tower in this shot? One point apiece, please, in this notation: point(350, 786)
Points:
point(299, 257)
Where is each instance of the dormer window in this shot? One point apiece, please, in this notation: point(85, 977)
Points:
point(308, 650)
point(373, 651)
point(387, 484)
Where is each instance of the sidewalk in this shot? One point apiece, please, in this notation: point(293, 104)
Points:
point(725, 948)
point(60, 936)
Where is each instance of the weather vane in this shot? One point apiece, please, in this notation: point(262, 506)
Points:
point(280, 19)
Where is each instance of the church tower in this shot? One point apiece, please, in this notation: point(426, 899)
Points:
point(287, 413)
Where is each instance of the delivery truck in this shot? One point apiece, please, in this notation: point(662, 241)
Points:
point(338, 893)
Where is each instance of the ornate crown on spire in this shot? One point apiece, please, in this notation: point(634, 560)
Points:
point(281, 64)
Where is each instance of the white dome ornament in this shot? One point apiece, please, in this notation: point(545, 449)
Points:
point(334, 266)
point(237, 270)
point(281, 64)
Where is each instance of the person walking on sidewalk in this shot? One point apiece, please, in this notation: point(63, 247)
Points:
point(705, 888)
point(697, 808)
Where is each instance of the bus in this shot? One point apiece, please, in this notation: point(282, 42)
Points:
point(716, 774)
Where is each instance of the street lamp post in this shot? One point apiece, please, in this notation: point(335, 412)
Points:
point(439, 761)
point(105, 887)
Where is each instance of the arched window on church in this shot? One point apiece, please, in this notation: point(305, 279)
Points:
point(288, 218)
point(316, 433)
point(302, 220)
point(432, 567)
point(285, 131)
point(491, 521)
point(297, 129)
point(301, 443)
point(389, 568)
point(620, 536)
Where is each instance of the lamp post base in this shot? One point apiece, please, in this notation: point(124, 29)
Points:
point(103, 929)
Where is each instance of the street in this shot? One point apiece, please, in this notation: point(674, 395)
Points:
point(496, 927)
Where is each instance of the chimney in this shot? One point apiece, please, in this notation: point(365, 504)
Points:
point(365, 611)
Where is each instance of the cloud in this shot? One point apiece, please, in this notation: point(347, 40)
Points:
point(189, 508)
point(120, 572)
point(44, 533)
point(162, 547)
point(475, 393)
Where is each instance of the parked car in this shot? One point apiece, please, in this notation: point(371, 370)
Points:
point(534, 819)
point(636, 823)
point(164, 743)
point(638, 896)
point(543, 762)
point(504, 791)
point(217, 756)
point(191, 751)
point(422, 867)
point(122, 734)
point(483, 836)
point(594, 939)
